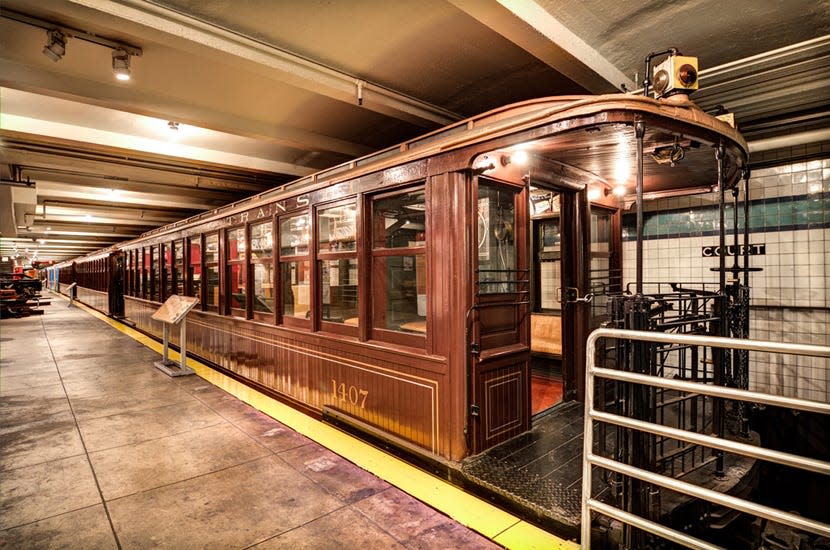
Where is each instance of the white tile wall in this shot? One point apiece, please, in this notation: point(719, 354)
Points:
point(790, 298)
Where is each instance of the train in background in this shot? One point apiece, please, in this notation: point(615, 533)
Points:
point(437, 295)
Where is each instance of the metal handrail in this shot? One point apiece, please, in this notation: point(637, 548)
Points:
point(787, 459)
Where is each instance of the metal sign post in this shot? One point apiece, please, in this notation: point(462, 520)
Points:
point(73, 289)
point(174, 312)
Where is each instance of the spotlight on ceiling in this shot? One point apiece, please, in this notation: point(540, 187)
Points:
point(121, 64)
point(55, 48)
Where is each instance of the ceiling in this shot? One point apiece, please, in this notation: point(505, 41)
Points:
point(265, 91)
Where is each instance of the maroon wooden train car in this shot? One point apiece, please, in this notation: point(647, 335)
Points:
point(433, 293)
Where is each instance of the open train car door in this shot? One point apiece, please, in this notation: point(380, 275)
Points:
point(498, 319)
point(554, 285)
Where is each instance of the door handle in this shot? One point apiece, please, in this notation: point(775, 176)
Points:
point(571, 296)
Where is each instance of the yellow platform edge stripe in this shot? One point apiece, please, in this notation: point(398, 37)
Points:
point(492, 522)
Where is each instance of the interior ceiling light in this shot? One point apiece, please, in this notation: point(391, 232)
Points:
point(55, 48)
point(121, 64)
point(620, 191)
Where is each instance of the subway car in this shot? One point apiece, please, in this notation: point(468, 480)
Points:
point(437, 296)
point(438, 293)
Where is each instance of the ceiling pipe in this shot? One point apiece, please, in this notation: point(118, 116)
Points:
point(755, 64)
point(790, 140)
point(299, 71)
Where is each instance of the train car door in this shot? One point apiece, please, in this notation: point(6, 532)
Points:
point(550, 270)
point(497, 321)
point(117, 275)
point(560, 292)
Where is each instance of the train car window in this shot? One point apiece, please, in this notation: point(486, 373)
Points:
point(194, 269)
point(211, 248)
point(146, 274)
point(399, 294)
point(262, 262)
point(295, 269)
point(134, 273)
point(139, 273)
point(236, 273)
point(336, 228)
point(211, 265)
point(606, 279)
point(155, 272)
point(130, 274)
point(549, 256)
point(294, 235)
point(178, 264)
point(136, 284)
point(167, 271)
point(337, 261)
point(496, 238)
point(296, 285)
point(236, 244)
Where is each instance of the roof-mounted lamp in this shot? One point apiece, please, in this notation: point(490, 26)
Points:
point(677, 74)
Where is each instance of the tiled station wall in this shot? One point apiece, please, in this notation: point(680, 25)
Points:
point(790, 298)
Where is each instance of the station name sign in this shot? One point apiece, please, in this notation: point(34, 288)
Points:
point(753, 249)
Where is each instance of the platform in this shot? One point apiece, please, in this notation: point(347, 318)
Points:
point(99, 449)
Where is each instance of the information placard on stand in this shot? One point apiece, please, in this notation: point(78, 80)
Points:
point(174, 312)
point(72, 291)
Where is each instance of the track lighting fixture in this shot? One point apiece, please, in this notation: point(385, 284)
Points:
point(55, 48)
point(121, 64)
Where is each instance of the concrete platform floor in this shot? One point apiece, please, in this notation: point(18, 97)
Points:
point(98, 449)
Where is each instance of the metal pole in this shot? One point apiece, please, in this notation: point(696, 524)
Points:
point(720, 153)
point(735, 277)
point(639, 130)
point(718, 354)
point(779, 457)
point(166, 342)
point(772, 514)
point(655, 528)
point(587, 444)
point(183, 344)
point(746, 227)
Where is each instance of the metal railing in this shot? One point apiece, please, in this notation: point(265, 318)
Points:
point(591, 459)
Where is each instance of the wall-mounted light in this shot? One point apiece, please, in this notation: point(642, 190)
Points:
point(121, 64)
point(519, 158)
point(620, 191)
point(594, 193)
point(55, 48)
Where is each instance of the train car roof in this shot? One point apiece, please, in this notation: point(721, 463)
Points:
point(609, 117)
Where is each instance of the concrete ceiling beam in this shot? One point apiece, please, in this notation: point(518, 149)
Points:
point(537, 31)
